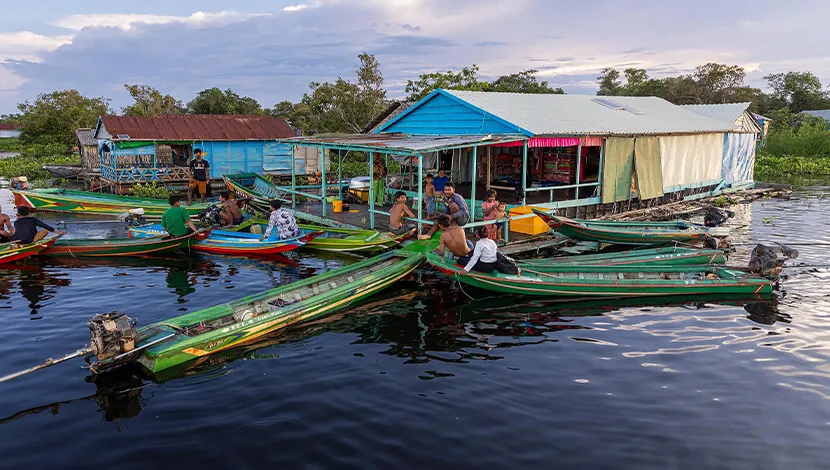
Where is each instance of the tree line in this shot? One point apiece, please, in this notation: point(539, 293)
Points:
point(348, 105)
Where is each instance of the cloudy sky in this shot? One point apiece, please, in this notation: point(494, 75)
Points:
point(271, 49)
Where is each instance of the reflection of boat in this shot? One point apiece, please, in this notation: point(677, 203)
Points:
point(338, 239)
point(611, 281)
point(672, 255)
point(64, 171)
point(10, 252)
point(67, 200)
point(116, 247)
point(625, 233)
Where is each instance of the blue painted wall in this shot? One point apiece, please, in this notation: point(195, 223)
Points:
point(248, 156)
point(444, 115)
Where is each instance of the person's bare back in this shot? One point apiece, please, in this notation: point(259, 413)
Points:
point(454, 239)
point(397, 211)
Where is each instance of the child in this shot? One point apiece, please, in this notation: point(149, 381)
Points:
point(396, 224)
point(488, 207)
point(500, 212)
point(429, 197)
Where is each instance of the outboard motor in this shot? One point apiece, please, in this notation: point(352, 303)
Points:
point(135, 217)
point(112, 334)
point(715, 217)
point(210, 215)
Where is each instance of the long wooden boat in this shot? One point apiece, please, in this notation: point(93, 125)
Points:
point(625, 233)
point(224, 242)
point(67, 200)
point(337, 239)
point(11, 252)
point(254, 186)
point(121, 247)
point(669, 255)
point(611, 281)
point(64, 170)
point(115, 340)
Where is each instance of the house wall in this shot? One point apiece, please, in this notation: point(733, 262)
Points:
point(442, 115)
point(691, 159)
point(246, 156)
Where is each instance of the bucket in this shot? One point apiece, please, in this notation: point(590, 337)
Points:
point(337, 206)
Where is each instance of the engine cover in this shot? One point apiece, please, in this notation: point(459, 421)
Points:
point(111, 334)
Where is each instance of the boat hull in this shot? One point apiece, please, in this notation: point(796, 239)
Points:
point(119, 247)
point(670, 256)
point(68, 201)
point(253, 186)
point(12, 252)
point(224, 242)
point(336, 239)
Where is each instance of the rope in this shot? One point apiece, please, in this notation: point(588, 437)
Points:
point(461, 286)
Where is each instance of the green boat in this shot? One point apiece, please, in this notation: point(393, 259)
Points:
point(112, 247)
point(670, 255)
point(336, 239)
point(115, 340)
point(84, 202)
point(254, 186)
point(611, 281)
point(625, 233)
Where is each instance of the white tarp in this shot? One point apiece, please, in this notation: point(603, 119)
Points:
point(689, 159)
point(738, 157)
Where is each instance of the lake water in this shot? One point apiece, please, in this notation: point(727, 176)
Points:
point(423, 376)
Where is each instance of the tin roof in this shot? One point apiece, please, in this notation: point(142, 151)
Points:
point(194, 127)
point(822, 113)
point(395, 108)
point(400, 143)
point(86, 136)
point(728, 112)
point(10, 127)
point(557, 115)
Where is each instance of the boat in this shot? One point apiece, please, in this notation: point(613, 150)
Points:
point(625, 233)
point(116, 341)
point(253, 186)
point(669, 255)
point(225, 242)
point(111, 247)
point(336, 239)
point(64, 171)
point(12, 251)
point(71, 201)
point(612, 281)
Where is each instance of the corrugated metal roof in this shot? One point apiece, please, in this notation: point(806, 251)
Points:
point(198, 127)
point(558, 115)
point(822, 113)
point(394, 109)
point(10, 127)
point(86, 136)
point(401, 143)
point(729, 112)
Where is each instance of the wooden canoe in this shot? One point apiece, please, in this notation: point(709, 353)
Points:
point(181, 339)
point(121, 246)
point(625, 233)
point(69, 201)
point(612, 281)
point(257, 188)
point(224, 242)
point(64, 171)
point(338, 239)
point(11, 252)
point(669, 255)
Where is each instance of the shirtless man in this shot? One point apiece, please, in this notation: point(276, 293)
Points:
point(452, 238)
point(396, 213)
point(6, 228)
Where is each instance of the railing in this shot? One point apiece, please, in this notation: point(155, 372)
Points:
point(141, 175)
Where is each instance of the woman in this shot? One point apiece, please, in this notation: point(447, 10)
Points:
point(284, 221)
point(484, 256)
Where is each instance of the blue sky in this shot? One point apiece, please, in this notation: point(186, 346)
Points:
point(270, 50)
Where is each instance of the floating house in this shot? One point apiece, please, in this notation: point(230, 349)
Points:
point(9, 131)
point(140, 149)
point(555, 151)
point(87, 149)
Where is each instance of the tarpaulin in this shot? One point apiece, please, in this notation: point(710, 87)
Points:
point(618, 169)
point(738, 158)
point(690, 159)
point(648, 168)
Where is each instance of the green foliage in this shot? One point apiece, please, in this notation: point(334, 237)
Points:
point(31, 167)
point(797, 91)
point(150, 102)
point(10, 118)
point(215, 101)
point(723, 201)
point(781, 169)
point(810, 138)
point(357, 164)
point(467, 79)
point(151, 190)
point(53, 117)
point(10, 145)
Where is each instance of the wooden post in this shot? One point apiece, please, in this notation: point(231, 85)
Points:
point(372, 190)
point(293, 176)
point(323, 182)
point(524, 172)
point(578, 167)
point(420, 189)
point(472, 206)
point(340, 174)
point(489, 165)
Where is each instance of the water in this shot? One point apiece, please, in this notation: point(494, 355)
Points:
point(424, 377)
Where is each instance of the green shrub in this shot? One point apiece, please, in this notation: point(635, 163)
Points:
point(152, 190)
point(774, 168)
point(32, 168)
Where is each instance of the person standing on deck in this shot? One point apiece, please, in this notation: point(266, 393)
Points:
point(6, 228)
point(379, 180)
point(176, 220)
point(283, 220)
point(230, 214)
point(25, 228)
point(456, 207)
point(484, 256)
point(429, 197)
point(440, 180)
point(199, 176)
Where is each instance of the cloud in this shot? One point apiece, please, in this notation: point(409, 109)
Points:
point(26, 45)
point(128, 21)
point(291, 8)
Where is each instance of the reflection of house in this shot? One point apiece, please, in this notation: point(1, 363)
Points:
point(88, 149)
point(8, 131)
point(159, 148)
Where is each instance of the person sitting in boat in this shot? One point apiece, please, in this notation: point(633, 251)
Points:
point(26, 227)
point(452, 239)
point(396, 223)
point(20, 182)
point(283, 220)
point(199, 176)
point(6, 228)
point(176, 220)
point(484, 256)
point(230, 213)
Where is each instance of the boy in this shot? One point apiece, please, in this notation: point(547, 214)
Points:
point(452, 238)
point(429, 197)
point(6, 228)
point(396, 224)
point(176, 220)
point(199, 177)
point(230, 214)
point(283, 220)
point(25, 228)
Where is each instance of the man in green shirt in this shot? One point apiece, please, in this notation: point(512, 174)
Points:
point(176, 220)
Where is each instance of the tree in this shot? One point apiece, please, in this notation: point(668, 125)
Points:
point(797, 91)
point(13, 118)
point(523, 82)
point(609, 82)
point(150, 102)
point(53, 117)
point(466, 79)
point(216, 101)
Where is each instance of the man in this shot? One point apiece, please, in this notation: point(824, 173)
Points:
point(456, 207)
point(440, 180)
point(199, 176)
point(379, 180)
point(26, 228)
point(452, 238)
point(176, 220)
point(6, 228)
point(396, 224)
point(284, 221)
point(230, 214)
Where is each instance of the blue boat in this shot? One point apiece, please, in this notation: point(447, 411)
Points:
point(234, 243)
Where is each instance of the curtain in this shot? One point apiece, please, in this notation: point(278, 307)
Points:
point(617, 169)
point(738, 157)
point(648, 168)
point(690, 159)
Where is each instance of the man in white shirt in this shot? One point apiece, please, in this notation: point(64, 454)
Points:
point(484, 256)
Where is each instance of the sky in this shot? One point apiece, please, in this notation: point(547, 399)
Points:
point(271, 50)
